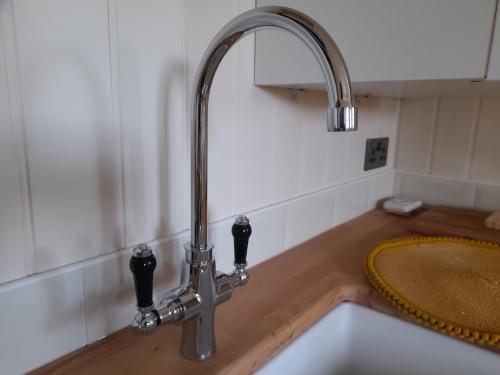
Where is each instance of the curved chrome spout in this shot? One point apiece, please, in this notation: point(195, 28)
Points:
point(341, 115)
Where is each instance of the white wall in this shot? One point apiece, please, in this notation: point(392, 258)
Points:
point(448, 151)
point(95, 124)
point(94, 99)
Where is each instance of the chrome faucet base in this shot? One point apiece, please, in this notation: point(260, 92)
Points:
point(194, 303)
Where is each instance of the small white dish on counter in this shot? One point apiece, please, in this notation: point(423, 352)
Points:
point(402, 206)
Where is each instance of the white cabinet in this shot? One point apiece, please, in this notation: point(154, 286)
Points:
point(384, 40)
point(494, 66)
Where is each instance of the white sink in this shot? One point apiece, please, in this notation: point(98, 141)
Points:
point(355, 340)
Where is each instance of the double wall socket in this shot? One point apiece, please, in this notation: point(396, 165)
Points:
point(376, 153)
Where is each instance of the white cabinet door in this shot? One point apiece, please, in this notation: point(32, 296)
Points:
point(494, 66)
point(383, 40)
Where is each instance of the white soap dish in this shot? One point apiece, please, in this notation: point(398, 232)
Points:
point(402, 206)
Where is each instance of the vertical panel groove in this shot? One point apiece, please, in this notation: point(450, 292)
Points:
point(14, 92)
point(492, 37)
point(472, 139)
point(398, 133)
point(186, 176)
point(432, 139)
point(114, 74)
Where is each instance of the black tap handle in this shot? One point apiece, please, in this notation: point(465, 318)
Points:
point(241, 231)
point(142, 264)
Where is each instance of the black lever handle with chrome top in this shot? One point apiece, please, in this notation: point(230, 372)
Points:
point(241, 231)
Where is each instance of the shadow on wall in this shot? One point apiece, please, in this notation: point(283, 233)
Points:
point(110, 299)
point(154, 178)
point(68, 181)
point(169, 169)
point(112, 302)
point(109, 290)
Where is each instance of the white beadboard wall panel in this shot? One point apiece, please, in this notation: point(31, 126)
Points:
point(42, 319)
point(337, 157)
point(435, 190)
point(377, 118)
point(453, 137)
point(485, 164)
point(254, 132)
point(351, 200)
point(461, 144)
point(14, 221)
point(315, 142)
point(72, 144)
point(493, 72)
point(152, 94)
point(389, 119)
point(287, 147)
point(416, 126)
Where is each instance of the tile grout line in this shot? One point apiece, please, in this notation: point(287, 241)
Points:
point(84, 307)
point(432, 139)
point(473, 138)
point(114, 73)
point(234, 114)
point(186, 101)
point(398, 133)
point(491, 41)
point(396, 148)
point(20, 136)
point(474, 195)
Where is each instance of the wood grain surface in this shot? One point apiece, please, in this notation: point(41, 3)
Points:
point(284, 297)
point(458, 222)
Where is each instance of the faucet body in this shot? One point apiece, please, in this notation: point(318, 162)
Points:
point(202, 289)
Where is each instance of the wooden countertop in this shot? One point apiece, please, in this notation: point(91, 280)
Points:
point(284, 297)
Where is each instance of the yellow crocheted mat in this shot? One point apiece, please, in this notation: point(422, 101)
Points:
point(449, 284)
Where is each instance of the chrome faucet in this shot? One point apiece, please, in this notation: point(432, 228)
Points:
point(202, 289)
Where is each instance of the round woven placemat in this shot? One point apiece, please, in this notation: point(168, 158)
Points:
point(449, 284)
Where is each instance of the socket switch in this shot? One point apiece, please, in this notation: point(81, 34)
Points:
point(376, 153)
